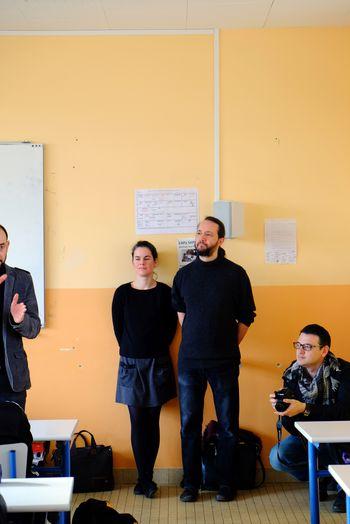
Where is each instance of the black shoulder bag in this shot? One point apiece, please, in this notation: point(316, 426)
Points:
point(91, 465)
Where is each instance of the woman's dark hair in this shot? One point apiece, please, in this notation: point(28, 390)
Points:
point(320, 332)
point(4, 230)
point(148, 245)
point(221, 227)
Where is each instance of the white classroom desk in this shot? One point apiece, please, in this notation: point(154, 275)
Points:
point(55, 429)
point(320, 432)
point(59, 430)
point(341, 473)
point(37, 494)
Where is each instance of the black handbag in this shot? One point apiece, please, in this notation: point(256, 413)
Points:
point(91, 465)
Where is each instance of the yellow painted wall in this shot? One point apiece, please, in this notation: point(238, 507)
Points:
point(119, 113)
point(285, 146)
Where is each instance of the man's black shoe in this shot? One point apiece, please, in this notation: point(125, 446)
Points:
point(189, 495)
point(339, 504)
point(225, 494)
point(322, 489)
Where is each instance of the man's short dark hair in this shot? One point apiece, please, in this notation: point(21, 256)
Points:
point(4, 230)
point(148, 245)
point(321, 332)
point(221, 227)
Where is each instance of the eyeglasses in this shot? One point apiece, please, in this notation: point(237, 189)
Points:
point(305, 347)
point(207, 234)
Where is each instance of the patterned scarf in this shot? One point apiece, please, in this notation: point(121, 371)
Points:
point(320, 389)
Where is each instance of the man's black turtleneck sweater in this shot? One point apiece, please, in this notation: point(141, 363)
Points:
point(215, 296)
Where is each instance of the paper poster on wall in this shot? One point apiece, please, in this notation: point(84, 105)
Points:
point(186, 252)
point(166, 211)
point(280, 241)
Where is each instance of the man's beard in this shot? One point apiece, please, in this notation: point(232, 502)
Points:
point(205, 251)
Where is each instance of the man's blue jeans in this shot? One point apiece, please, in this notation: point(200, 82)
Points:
point(223, 381)
point(293, 457)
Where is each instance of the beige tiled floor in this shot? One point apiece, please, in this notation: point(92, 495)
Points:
point(272, 504)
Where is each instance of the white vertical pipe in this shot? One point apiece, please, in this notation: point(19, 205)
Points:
point(216, 66)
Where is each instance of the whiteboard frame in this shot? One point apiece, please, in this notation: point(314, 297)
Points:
point(22, 210)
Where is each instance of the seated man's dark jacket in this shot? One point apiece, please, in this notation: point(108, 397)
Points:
point(339, 410)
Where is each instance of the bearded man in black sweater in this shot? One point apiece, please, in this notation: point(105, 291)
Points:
point(215, 305)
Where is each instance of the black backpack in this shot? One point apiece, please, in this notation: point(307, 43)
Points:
point(14, 427)
point(248, 459)
point(95, 511)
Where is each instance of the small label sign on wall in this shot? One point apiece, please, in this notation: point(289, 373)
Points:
point(186, 251)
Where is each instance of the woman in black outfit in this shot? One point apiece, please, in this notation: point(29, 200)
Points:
point(144, 324)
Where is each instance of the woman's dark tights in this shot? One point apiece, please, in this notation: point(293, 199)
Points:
point(145, 440)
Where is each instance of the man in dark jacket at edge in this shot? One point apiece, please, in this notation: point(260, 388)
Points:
point(18, 318)
point(215, 305)
point(320, 385)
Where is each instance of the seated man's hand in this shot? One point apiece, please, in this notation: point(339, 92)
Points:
point(295, 408)
point(273, 401)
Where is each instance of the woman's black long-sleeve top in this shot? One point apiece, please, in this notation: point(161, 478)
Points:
point(144, 321)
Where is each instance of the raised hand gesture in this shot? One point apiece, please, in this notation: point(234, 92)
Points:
point(17, 309)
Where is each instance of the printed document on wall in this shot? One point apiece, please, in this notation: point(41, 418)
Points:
point(166, 211)
point(280, 241)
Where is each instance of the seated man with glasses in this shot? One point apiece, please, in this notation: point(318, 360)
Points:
point(320, 385)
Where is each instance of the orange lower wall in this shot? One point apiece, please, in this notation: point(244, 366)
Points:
point(81, 382)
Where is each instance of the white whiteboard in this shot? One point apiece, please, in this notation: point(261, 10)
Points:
point(22, 210)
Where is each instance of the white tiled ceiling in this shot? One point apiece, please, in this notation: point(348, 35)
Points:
point(227, 13)
point(309, 13)
point(104, 15)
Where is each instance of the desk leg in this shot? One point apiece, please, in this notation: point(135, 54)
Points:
point(313, 485)
point(347, 510)
point(64, 518)
point(66, 452)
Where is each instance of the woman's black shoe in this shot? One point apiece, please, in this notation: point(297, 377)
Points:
point(138, 489)
point(149, 490)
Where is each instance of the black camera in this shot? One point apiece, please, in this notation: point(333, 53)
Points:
point(280, 395)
